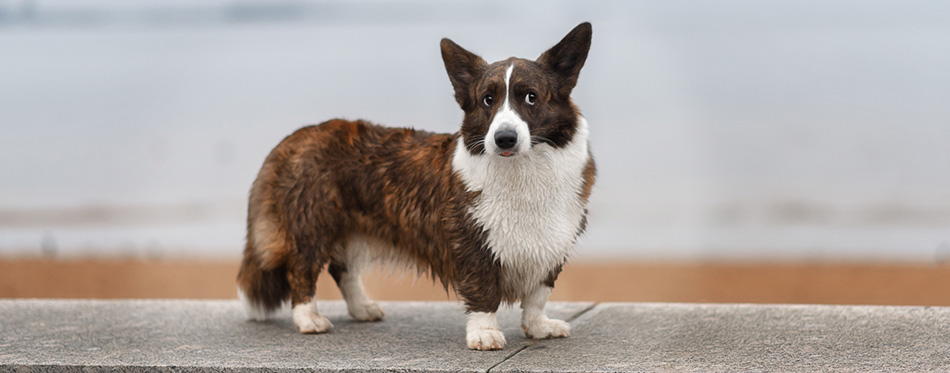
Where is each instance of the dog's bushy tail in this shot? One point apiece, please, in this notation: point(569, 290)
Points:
point(263, 285)
point(262, 291)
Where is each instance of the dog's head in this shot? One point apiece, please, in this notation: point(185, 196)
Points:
point(512, 105)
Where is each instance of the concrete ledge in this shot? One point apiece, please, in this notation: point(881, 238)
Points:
point(61, 335)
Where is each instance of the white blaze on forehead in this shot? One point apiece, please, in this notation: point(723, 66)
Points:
point(508, 119)
point(508, 72)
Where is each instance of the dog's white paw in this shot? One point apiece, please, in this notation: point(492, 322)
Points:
point(308, 321)
point(485, 339)
point(547, 328)
point(366, 311)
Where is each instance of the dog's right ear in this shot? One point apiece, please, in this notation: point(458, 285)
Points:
point(463, 67)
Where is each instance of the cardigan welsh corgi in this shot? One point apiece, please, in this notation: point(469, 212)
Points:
point(492, 210)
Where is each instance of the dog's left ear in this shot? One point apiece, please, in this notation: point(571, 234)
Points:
point(567, 57)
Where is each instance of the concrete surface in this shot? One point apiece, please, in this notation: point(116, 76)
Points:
point(683, 337)
point(64, 335)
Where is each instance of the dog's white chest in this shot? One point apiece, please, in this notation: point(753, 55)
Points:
point(529, 205)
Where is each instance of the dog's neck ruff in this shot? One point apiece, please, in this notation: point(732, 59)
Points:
point(530, 205)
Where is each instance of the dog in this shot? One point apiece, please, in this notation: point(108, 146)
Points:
point(492, 211)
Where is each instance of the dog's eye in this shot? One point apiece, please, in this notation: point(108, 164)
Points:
point(488, 100)
point(531, 98)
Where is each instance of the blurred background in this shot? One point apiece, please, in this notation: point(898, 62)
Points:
point(748, 151)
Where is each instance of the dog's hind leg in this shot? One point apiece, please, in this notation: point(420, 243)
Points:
point(347, 272)
point(303, 274)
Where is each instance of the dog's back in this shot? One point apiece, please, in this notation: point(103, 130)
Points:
point(344, 180)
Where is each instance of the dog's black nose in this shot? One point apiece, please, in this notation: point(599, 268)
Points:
point(506, 139)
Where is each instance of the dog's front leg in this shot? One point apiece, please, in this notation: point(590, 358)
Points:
point(478, 285)
point(535, 323)
point(482, 332)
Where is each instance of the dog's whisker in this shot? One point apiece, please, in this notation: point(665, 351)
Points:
point(479, 140)
point(537, 139)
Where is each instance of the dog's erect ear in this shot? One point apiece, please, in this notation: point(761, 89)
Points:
point(463, 67)
point(567, 57)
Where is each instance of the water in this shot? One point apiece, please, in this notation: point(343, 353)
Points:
point(726, 130)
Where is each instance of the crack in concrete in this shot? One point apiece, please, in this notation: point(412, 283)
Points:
point(533, 342)
point(582, 312)
point(511, 355)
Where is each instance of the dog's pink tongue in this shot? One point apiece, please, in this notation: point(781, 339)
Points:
point(506, 154)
